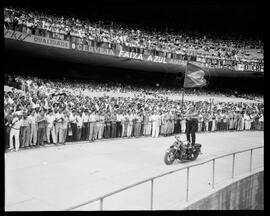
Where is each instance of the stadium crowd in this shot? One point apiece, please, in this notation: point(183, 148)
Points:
point(39, 111)
point(195, 46)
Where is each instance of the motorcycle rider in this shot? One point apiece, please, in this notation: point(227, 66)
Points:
point(192, 124)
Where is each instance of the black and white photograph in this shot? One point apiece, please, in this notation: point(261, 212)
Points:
point(133, 107)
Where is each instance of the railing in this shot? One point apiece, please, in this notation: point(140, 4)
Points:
point(213, 160)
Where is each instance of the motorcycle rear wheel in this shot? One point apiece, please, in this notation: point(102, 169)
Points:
point(169, 157)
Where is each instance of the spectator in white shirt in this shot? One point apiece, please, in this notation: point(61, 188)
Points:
point(65, 126)
point(15, 131)
point(33, 129)
point(50, 118)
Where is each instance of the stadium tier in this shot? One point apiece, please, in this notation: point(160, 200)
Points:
point(132, 47)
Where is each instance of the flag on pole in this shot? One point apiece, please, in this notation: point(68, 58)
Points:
point(194, 76)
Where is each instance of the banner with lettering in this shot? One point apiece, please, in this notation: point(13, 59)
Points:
point(36, 39)
point(180, 58)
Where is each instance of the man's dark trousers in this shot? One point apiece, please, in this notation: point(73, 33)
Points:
point(192, 127)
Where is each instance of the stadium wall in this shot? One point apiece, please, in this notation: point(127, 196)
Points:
point(244, 194)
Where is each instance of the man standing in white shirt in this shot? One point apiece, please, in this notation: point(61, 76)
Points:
point(156, 121)
point(101, 123)
point(92, 120)
point(65, 126)
point(50, 118)
point(15, 132)
point(33, 128)
point(130, 124)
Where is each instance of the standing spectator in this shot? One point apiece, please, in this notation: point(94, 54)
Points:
point(58, 126)
point(25, 129)
point(107, 131)
point(113, 120)
point(242, 121)
point(213, 117)
point(247, 121)
point(146, 124)
point(200, 121)
point(73, 124)
point(226, 120)
point(172, 120)
point(92, 125)
point(238, 121)
point(97, 127)
point(102, 124)
point(206, 120)
point(130, 124)
point(33, 128)
point(163, 124)
point(134, 120)
point(119, 127)
point(15, 132)
point(231, 120)
point(125, 124)
point(156, 121)
point(65, 126)
point(7, 123)
point(41, 122)
point(138, 125)
point(261, 122)
point(218, 120)
point(256, 121)
point(50, 118)
point(79, 126)
point(85, 127)
point(252, 117)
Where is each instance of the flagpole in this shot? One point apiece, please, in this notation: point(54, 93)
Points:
point(183, 93)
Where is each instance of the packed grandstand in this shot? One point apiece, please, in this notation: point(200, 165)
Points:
point(230, 52)
point(41, 111)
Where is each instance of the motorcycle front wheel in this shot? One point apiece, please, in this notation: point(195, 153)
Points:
point(194, 155)
point(169, 157)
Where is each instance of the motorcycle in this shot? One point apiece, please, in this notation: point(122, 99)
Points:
point(182, 150)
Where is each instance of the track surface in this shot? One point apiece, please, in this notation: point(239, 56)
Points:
point(58, 177)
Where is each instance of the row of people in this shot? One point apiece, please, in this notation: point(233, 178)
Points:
point(172, 43)
point(38, 126)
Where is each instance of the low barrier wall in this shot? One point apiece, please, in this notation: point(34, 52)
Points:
point(244, 194)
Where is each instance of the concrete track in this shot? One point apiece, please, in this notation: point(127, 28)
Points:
point(58, 177)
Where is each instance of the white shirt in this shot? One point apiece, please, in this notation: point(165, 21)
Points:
point(119, 117)
point(32, 119)
point(85, 117)
point(50, 119)
point(18, 123)
point(72, 118)
point(58, 116)
point(92, 118)
point(80, 121)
